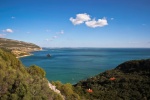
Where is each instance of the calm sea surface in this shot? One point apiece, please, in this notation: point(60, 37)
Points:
point(70, 65)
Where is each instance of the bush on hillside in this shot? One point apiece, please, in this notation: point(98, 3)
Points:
point(35, 70)
point(20, 83)
point(130, 81)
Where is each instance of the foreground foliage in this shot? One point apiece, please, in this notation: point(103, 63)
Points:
point(67, 90)
point(128, 81)
point(20, 83)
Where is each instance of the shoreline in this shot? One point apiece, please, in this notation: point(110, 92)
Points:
point(24, 56)
point(29, 53)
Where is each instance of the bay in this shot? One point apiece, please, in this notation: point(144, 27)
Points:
point(70, 65)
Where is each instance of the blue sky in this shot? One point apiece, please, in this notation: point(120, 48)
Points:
point(77, 23)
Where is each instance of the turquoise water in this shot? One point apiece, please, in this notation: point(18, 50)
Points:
point(70, 65)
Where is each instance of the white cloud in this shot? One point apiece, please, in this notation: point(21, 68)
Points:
point(85, 18)
point(8, 30)
point(80, 18)
point(2, 35)
point(99, 23)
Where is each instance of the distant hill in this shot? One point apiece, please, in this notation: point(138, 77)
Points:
point(128, 81)
point(15, 44)
point(19, 48)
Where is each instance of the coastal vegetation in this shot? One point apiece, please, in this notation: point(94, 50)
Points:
point(128, 81)
point(18, 82)
point(67, 90)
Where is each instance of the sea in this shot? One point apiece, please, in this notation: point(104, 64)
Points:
point(71, 65)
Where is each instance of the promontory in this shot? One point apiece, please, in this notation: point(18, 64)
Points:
point(18, 48)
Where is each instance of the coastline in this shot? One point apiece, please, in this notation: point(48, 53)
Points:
point(29, 53)
point(24, 56)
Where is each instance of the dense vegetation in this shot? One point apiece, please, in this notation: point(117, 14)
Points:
point(20, 83)
point(128, 81)
point(67, 90)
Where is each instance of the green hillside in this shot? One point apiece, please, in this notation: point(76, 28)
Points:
point(128, 81)
point(20, 83)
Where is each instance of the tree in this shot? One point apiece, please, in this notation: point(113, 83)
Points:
point(35, 70)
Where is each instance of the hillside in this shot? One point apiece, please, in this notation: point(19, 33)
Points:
point(20, 83)
point(128, 81)
point(19, 48)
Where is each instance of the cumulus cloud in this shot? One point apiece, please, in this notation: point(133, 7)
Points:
point(99, 23)
point(8, 30)
point(80, 18)
point(85, 18)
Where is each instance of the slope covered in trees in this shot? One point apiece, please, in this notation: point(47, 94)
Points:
point(20, 83)
point(128, 81)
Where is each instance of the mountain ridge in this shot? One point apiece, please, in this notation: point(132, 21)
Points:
point(18, 48)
